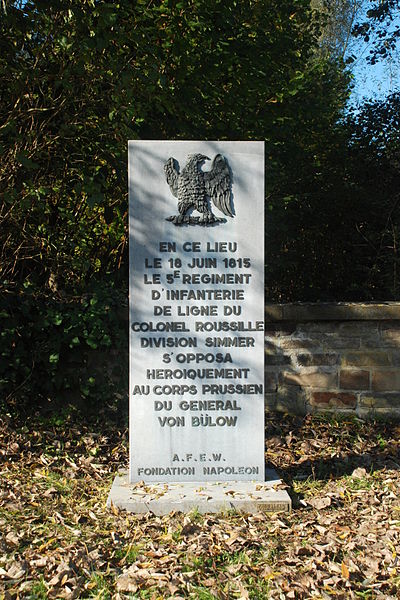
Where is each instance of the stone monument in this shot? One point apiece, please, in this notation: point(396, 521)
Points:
point(196, 230)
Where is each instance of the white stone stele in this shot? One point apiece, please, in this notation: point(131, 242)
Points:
point(168, 443)
point(205, 497)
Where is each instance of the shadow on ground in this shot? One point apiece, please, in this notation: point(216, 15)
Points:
point(322, 449)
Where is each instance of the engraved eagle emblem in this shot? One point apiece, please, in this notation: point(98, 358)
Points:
point(195, 188)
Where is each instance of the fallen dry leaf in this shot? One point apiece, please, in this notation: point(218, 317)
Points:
point(319, 502)
point(53, 517)
point(345, 571)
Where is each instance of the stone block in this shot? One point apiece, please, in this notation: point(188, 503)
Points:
point(340, 311)
point(385, 380)
point(388, 334)
point(317, 328)
point(271, 382)
point(271, 345)
point(205, 497)
point(383, 413)
point(390, 326)
point(277, 359)
point(375, 343)
point(278, 329)
point(322, 311)
point(395, 357)
point(390, 337)
point(333, 400)
point(355, 329)
point(316, 379)
point(380, 400)
point(354, 379)
point(318, 359)
point(329, 410)
point(273, 312)
point(300, 344)
point(334, 341)
point(291, 399)
point(376, 311)
point(270, 400)
point(367, 359)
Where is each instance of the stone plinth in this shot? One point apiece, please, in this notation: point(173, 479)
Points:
point(206, 497)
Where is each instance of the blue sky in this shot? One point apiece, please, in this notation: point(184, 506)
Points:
point(374, 81)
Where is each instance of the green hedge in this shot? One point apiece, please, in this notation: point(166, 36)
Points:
point(75, 350)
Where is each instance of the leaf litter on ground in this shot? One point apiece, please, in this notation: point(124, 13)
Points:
point(58, 540)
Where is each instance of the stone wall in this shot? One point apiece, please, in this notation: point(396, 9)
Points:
point(337, 357)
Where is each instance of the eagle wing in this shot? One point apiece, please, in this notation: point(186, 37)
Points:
point(171, 170)
point(218, 184)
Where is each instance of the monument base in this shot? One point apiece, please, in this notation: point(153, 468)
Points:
point(206, 497)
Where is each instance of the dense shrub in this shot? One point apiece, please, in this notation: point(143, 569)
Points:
point(333, 230)
point(73, 350)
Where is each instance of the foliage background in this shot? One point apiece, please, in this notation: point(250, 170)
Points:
point(80, 78)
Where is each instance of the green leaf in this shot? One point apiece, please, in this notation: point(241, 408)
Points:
point(92, 343)
point(74, 342)
point(95, 198)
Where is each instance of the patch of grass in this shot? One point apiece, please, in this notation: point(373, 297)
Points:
point(230, 513)
point(381, 441)
point(224, 558)
point(338, 420)
point(176, 535)
point(195, 516)
point(47, 478)
point(38, 590)
point(355, 484)
point(270, 554)
point(308, 486)
point(259, 589)
point(99, 587)
point(197, 563)
point(128, 554)
point(366, 595)
point(236, 558)
point(201, 593)
point(59, 482)
point(60, 418)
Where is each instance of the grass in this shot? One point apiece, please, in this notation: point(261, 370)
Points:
point(38, 590)
point(200, 593)
point(99, 587)
point(354, 484)
point(258, 589)
point(308, 486)
point(128, 555)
